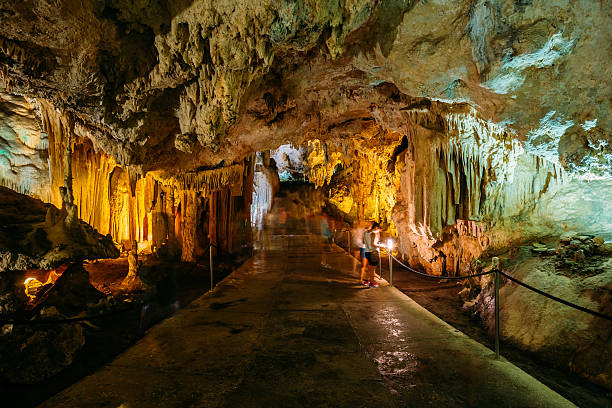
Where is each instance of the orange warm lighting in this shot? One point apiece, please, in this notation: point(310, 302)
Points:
point(31, 287)
point(144, 246)
point(29, 280)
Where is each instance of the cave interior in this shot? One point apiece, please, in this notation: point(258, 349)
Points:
point(142, 141)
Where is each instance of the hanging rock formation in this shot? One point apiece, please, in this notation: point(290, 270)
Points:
point(467, 127)
point(153, 82)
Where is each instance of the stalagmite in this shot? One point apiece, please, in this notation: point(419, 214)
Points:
point(66, 192)
point(132, 281)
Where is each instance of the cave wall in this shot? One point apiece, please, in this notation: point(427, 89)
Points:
point(23, 147)
point(467, 190)
point(365, 179)
point(156, 208)
point(192, 84)
point(289, 161)
point(453, 188)
point(266, 183)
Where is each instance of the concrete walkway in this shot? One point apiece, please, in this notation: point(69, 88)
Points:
point(293, 328)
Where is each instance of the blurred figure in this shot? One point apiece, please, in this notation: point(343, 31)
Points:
point(282, 221)
point(325, 228)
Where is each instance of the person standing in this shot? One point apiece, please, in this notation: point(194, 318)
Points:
point(358, 233)
point(371, 238)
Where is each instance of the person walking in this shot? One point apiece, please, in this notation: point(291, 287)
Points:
point(371, 239)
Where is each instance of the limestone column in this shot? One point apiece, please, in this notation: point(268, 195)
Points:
point(66, 192)
point(189, 226)
point(212, 220)
point(132, 281)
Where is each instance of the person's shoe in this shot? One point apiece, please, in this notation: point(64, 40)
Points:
point(365, 283)
point(373, 284)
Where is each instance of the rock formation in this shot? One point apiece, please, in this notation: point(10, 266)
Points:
point(469, 128)
point(145, 80)
point(34, 235)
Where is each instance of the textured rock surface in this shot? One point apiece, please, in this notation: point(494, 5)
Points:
point(194, 75)
point(559, 333)
point(468, 127)
point(33, 235)
point(497, 89)
point(31, 354)
point(23, 148)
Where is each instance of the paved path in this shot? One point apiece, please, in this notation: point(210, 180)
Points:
point(292, 328)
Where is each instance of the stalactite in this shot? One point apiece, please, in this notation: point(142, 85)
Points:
point(322, 160)
point(211, 180)
point(372, 188)
point(155, 209)
point(460, 184)
point(57, 127)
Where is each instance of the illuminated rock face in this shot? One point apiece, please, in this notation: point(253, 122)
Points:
point(289, 162)
point(503, 120)
point(159, 208)
point(452, 187)
point(191, 83)
point(23, 148)
point(266, 184)
point(467, 127)
point(34, 235)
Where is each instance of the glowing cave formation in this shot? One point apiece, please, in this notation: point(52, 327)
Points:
point(155, 209)
point(148, 149)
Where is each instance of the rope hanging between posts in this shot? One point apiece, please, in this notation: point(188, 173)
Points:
point(536, 290)
point(441, 277)
point(565, 302)
point(66, 320)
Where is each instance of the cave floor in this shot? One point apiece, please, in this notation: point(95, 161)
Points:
point(293, 328)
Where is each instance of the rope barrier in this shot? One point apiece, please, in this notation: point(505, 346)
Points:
point(77, 319)
point(66, 320)
point(565, 302)
point(441, 277)
point(513, 279)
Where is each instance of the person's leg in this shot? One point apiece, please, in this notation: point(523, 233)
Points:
point(372, 270)
point(364, 266)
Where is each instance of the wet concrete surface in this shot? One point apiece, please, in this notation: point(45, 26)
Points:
point(293, 327)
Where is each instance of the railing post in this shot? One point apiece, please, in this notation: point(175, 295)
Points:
point(496, 269)
point(390, 268)
point(210, 252)
point(349, 244)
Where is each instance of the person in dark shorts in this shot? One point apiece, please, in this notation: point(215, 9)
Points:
point(359, 233)
point(371, 238)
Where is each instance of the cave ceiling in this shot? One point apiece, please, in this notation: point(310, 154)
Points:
point(188, 84)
